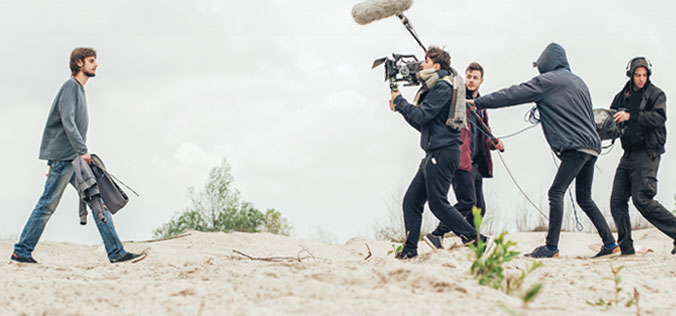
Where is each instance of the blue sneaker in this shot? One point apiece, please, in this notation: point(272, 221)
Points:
point(543, 252)
point(606, 251)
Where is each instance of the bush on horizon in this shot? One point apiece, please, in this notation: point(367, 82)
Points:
point(218, 208)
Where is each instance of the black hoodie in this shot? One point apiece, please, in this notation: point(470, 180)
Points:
point(562, 98)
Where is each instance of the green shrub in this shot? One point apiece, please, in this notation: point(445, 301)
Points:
point(218, 208)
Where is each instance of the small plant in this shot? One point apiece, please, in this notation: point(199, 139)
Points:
point(397, 249)
point(529, 295)
point(617, 280)
point(488, 268)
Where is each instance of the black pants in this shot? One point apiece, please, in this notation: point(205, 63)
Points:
point(431, 184)
point(636, 177)
point(579, 166)
point(468, 189)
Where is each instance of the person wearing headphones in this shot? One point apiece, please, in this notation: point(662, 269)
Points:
point(641, 106)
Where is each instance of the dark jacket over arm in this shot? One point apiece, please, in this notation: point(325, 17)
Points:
point(430, 117)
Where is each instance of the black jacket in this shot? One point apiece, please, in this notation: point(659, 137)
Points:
point(562, 98)
point(646, 125)
point(430, 117)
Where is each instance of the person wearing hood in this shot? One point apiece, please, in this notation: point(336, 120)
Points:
point(565, 107)
point(641, 107)
point(441, 144)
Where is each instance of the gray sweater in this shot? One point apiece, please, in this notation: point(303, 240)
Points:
point(65, 134)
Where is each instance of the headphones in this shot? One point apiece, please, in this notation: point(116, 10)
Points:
point(650, 65)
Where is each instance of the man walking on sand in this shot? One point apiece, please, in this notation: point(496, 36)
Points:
point(475, 161)
point(565, 107)
point(642, 107)
point(64, 139)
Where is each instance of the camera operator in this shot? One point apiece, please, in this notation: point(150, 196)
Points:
point(441, 144)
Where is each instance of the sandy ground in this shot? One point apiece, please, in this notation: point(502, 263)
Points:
point(200, 274)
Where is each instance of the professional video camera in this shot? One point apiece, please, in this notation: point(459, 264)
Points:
point(403, 68)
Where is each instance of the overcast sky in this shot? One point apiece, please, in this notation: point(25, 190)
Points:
point(284, 91)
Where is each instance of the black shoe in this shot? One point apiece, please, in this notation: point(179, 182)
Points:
point(673, 251)
point(628, 252)
point(543, 252)
point(18, 258)
point(404, 255)
point(133, 257)
point(607, 251)
point(434, 241)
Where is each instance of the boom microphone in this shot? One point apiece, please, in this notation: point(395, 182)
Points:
point(374, 10)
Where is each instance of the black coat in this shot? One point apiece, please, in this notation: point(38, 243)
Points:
point(562, 98)
point(430, 117)
point(646, 122)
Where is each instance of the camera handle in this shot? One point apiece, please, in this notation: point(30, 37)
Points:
point(393, 85)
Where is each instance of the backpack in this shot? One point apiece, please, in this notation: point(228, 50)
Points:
point(606, 126)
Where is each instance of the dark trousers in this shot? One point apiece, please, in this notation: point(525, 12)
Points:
point(579, 166)
point(636, 177)
point(431, 184)
point(468, 189)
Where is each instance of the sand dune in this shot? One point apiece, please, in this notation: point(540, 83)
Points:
point(201, 275)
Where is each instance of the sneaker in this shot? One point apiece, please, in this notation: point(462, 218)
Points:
point(129, 256)
point(605, 251)
point(405, 255)
point(18, 258)
point(435, 242)
point(543, 252)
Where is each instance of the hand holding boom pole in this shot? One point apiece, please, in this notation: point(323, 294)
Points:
point(484, 128)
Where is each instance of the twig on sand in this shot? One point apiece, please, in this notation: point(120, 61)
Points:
point(305, 250)
point(298, 258)
point(162, 239)
point(370, 253)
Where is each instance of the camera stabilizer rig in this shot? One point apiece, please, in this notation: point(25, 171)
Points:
point(402, 68)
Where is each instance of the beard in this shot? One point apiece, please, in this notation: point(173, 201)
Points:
point(89, 74)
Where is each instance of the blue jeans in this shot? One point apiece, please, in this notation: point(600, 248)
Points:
point(61, 174)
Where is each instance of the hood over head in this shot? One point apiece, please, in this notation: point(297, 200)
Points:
point(639, 62)
point(552, 58)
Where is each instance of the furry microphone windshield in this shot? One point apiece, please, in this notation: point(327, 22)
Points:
point(374, 10)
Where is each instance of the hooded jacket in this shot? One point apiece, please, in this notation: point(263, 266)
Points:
point(646, 124)
point(562, 98)
point(430, 117)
